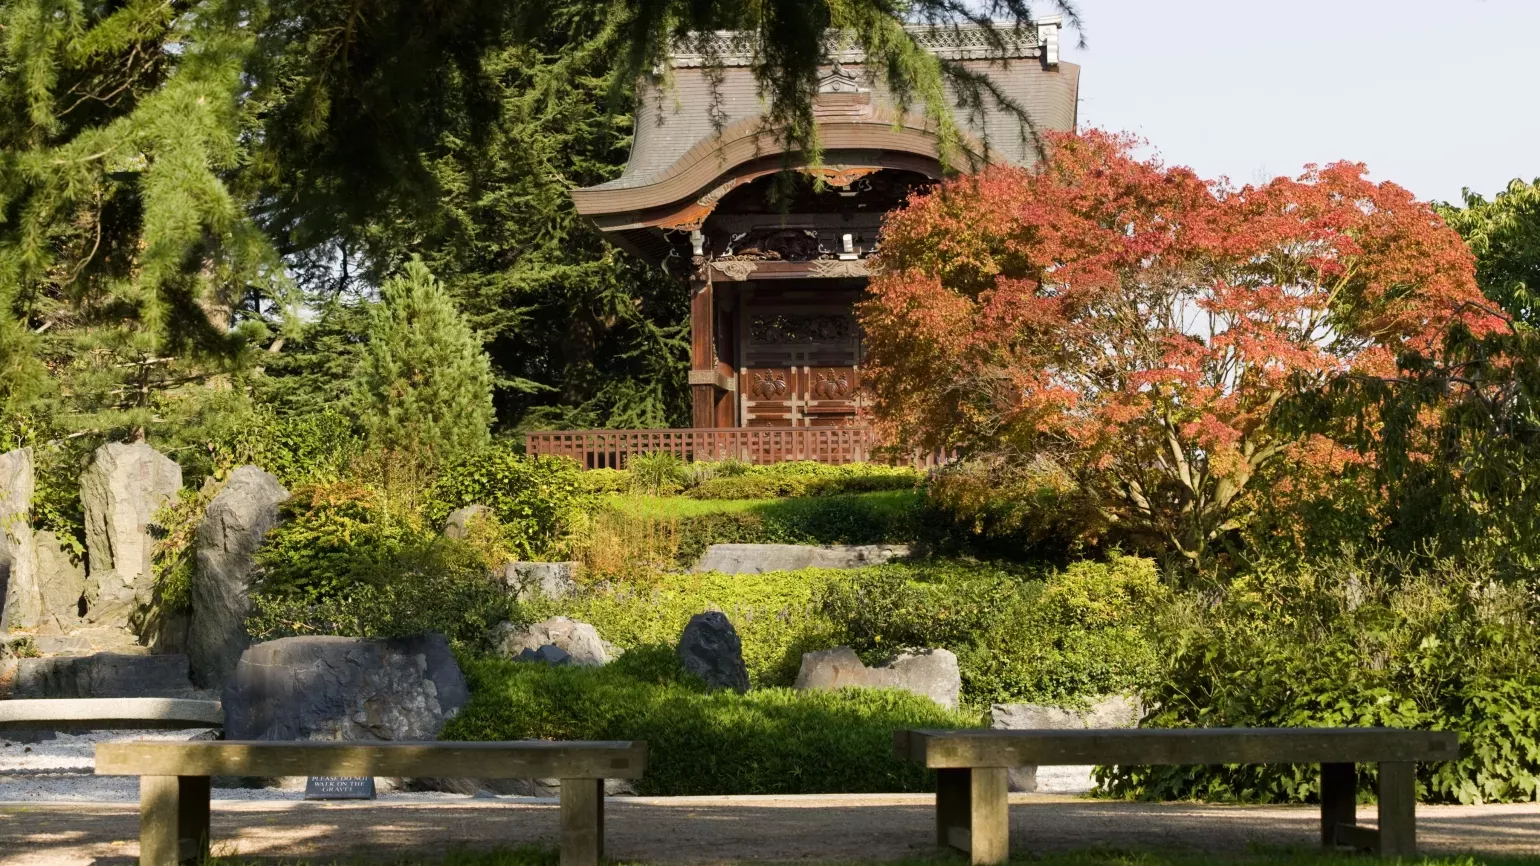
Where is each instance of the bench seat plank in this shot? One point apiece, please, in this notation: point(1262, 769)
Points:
point(1019, 748)
point(525, 759)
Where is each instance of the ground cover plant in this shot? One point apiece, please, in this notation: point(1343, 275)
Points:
point(1054, 636)
point(768, 741)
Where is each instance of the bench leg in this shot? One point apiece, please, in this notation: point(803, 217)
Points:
point(991, 835)
point(1339, 801)
point(582, 822)
point(1398, 809)
point(173, 819)
point(973, 812)
point(193, 817)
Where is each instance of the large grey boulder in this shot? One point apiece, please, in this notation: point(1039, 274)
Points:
point(553, 580)
point(61, 579)
point(1111, 711)
point(233, 527)
point(459, 521)
point(710, 649)
point(762, 558)
point(578, 641)
point(931, 673)
point(120, 492)
point(101, 675)
point(341, 688)
point(21, 600)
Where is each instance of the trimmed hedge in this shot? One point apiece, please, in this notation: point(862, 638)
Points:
point(731, 479)
point(637, 535)
point(768, 741)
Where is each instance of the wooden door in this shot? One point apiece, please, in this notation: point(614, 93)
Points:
point(800, 363)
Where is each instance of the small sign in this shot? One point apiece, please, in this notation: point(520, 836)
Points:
point(340, 788)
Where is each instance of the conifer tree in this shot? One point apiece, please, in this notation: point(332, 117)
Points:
point(423, 384)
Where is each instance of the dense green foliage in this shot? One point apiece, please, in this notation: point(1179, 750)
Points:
point(541, 503)
point(423, 387)
point(1354, 643)
point(768, 741)
point(635, 535)
point(1000, 509)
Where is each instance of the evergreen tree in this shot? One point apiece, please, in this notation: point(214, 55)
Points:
point(423, 385)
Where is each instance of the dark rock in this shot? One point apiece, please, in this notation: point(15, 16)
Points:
point(931, 673)
point(233, 527)
point(550, 654)
point(103, 675)
point(21, 600)
point(120, 492)
point(339, 688)
point(579, 640)
point(710, 649)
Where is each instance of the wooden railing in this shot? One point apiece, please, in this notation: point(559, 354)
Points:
point(601, 449)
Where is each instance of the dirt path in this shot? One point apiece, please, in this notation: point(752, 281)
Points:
point(696, 829)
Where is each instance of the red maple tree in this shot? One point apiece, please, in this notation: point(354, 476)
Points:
point(1139, 323)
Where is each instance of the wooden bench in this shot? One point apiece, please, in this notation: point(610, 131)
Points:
point(972, 807)
point(174, 783)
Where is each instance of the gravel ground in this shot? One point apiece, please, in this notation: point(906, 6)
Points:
point(721, 829)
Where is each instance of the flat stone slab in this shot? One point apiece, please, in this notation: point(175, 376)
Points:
point(110, 713)
point(760, 558)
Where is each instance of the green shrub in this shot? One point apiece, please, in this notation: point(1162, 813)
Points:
point(776, 615)
point(543, 503)
point(299, 449)
point(605, 481)
point(424, 583)
point(768, 741)
point(1076, 633)
point(1349, 644)
point(999, 509)
point(331, 537)
point(634, 536)
point(657, 472)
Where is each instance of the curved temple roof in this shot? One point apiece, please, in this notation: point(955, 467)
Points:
point(682, 159)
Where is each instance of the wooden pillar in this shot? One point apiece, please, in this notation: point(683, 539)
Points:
point(582, 822)
point(973, 813)
point(1398, 809)
point(703, 396)
point(1339, 801)
point(173, 820)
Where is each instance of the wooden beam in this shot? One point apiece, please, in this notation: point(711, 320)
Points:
point(987, 748)
point(1339, 801)
point(1398, 809)
point(703, 358)
point(523, 759)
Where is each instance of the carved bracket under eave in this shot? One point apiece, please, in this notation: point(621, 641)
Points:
point(693, 215)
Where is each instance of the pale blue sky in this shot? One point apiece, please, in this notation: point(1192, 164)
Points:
point(1434, 96)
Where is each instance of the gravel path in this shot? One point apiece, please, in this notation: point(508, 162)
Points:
point(717, 829)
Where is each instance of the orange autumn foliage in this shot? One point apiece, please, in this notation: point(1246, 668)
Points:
point(1137, 321)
